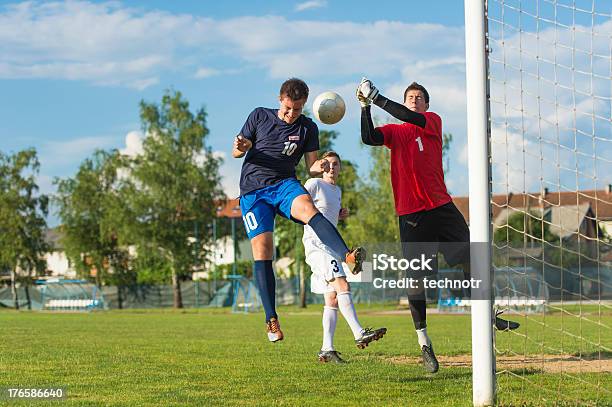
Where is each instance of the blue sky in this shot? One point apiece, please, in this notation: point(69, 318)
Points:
point(73, 73)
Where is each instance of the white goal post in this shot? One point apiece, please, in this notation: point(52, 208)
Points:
point(483, 356)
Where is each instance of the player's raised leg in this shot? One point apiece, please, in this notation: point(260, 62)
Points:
point(304, 210)
point(500, 323)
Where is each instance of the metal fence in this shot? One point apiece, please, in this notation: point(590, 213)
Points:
point(550, 284)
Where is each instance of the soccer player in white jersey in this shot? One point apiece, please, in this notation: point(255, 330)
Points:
point(328, 271)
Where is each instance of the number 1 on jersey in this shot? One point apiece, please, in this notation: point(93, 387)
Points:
point(420, 143)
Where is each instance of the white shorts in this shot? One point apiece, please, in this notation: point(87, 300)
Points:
point(325, 266)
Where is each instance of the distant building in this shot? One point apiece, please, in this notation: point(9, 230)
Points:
point(58, 264)
point(570, 215)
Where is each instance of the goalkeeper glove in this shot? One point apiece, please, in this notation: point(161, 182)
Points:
point(363, 101)
point(367, 89)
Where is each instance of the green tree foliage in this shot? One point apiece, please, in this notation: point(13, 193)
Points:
point(523, 227)
point(86, 205)
point(171, 187)
point(375, 220)
point(447, 139)
point(529, 230)
point(22, 217)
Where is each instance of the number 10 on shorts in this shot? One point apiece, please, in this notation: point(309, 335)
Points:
point(250, 223)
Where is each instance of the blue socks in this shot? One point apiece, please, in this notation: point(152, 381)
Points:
point(328, 234)
point(266, 284)
point(264, 274)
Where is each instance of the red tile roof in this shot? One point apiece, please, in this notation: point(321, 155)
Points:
point(600, 201)
point(229, 209)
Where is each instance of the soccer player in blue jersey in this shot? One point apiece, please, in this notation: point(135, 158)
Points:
point(273, 141)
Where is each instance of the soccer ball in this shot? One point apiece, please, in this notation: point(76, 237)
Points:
point(328, 108)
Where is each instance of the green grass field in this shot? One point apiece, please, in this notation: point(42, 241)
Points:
point(214, 357)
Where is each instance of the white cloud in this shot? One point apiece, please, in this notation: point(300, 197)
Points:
point(133, 147)
point(344, 48)
point(141, 84)
point(206, 73)
point(110, 44)
point(546, 109)
point(308, 5)
point(230, 177)
point(103, 43)
point(61, 152)
point(200, 159)
point(511, 170)
point(45, 184)
point(220, 155)
point(133, 144)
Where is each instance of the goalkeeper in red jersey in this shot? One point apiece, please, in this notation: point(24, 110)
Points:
point(428, 219)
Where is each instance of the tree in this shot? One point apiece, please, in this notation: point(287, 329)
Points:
point(88, 208)
point(375, 221)
point(447, 139)
point(22, 217)
point(529, 229)
point(171, 187)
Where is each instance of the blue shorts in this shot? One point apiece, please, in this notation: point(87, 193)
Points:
point(259, 207)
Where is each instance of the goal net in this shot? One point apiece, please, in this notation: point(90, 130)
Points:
point(549, 109)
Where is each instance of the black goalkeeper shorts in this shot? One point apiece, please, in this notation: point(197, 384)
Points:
point(442, 229)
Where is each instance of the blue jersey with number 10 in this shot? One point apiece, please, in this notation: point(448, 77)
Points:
point(277, 148)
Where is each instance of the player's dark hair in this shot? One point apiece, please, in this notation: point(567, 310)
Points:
point(294, 89)
point(416, 86)
point(331, 154)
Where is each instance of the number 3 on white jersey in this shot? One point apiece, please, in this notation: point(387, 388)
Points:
point(420, 143)
point(250, 223)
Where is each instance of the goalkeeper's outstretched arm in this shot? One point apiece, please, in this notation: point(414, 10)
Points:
point(369, 134)
point(399, 111)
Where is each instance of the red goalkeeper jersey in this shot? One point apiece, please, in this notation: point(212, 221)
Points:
point(417, 176)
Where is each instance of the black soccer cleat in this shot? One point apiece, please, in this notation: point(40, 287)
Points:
point(430, 363)
point(504, 325)
point(368, 335)
point(327, 356)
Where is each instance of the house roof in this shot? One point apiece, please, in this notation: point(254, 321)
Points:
point(566, 220)
point(506, 213)
point(229, 209)
point(600, 201)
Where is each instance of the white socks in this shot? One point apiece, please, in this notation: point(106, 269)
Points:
point(423, 338)
point(345, 303)
point(330, 318)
